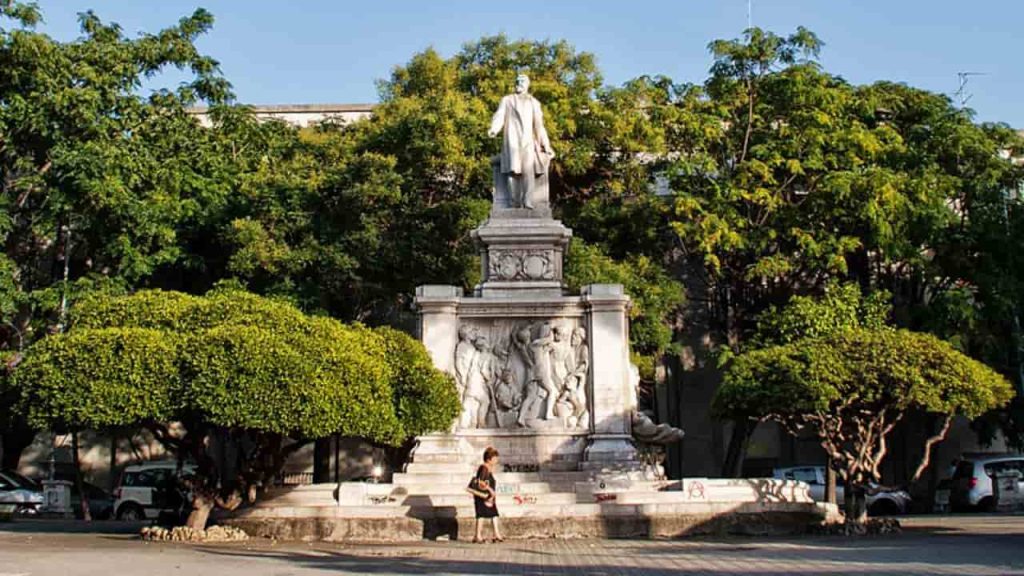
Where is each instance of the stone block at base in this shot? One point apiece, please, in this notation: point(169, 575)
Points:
point(360, 530)
point(753, 521)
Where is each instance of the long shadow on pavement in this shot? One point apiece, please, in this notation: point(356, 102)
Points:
point(896, 554)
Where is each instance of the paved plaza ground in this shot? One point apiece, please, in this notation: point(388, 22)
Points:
point(928, 545)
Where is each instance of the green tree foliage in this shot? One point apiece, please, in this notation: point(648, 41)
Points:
point(231, 364)
point(95, 176)
point(840, 307)
point(788, 176)
point(850, 381)
point(655, 295)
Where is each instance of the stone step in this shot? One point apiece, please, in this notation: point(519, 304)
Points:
point(399, 524)
point(597, 486)
point(461, 477)
point(463, 468)
point(551, 511)
point(401, 479)
point(443, 458)
point(526, 510)
point(467, 468)
point(503, 488)
point(327, 494)
point(504, 500)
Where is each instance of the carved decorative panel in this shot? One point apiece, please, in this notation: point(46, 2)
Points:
point(523, 373)
point(523, 264)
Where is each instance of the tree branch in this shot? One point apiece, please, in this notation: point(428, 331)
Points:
point(926, 457)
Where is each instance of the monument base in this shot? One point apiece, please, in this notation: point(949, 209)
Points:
point(429, 506)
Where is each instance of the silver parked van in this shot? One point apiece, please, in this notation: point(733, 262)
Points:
point(147, 489)
point(971, 486)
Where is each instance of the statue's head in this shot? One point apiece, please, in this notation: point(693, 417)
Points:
point(523, 336)
point(579, 335)
point(482, 343)
point(545, 331)
point(465, 331)
point(559, 333)
point(522, 84)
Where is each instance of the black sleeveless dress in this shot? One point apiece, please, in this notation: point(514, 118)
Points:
point(484, 478)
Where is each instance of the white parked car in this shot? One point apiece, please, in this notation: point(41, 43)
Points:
point(880, 502)
point(22, 495)
point(971, 485)
point(145, 490)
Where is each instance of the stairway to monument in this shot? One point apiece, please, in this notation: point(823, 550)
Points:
point(434, 503)
point(429, 500)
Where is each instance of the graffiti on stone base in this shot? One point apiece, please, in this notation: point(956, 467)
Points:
point(524, 499)
point(695, 490)
point(383, 499)
point(605, 497)
point(520, 468)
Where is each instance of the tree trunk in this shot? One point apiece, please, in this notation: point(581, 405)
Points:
point(112, 482)
point(200, 514)
point(83, 497)
point(15, 442)
point(830, 482)
point(737, 451)
point(322, 461)
point(855, 504)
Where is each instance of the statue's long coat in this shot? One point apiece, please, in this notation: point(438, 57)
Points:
point(524, 133)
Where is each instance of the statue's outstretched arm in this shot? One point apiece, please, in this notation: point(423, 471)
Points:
point(540, 131)
point(498, 120)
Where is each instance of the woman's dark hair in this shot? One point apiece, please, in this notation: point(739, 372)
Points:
point(490, 452)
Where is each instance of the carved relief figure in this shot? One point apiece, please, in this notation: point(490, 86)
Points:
point(526, 150)
point(576, 381)
point(513, 374)
point(562, 362)
point(519, 360)
point(507, 398)
point(543, 373)
point(464, 352)
point(476, 402)
point(533, 402)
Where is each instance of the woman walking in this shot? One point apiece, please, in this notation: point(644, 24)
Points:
point(483, 487)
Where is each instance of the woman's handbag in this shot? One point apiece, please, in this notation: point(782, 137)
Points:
point(478, 488)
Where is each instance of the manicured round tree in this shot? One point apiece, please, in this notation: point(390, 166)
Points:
point(852, 387)
point(231, 365)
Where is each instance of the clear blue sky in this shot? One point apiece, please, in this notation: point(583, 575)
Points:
point(315, 51)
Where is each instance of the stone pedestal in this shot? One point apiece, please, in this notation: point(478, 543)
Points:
point(57, 498)
point(613, 400)
point(544, 375)
point(438, 323)
point(521, 256)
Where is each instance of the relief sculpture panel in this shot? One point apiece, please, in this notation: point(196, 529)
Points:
point(523, 265)
point(518, 373)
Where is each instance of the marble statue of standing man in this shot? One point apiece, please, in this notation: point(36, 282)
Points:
point(521, 169)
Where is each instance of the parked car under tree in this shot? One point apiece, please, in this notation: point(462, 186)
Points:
point(880, 501)
point(971, 485)
point(24, 494)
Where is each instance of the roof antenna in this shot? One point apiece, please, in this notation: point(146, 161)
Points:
point(750, 14)
point(962, 95)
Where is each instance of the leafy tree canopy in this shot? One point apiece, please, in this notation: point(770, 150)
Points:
point(850, 381)
point(231, 361)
